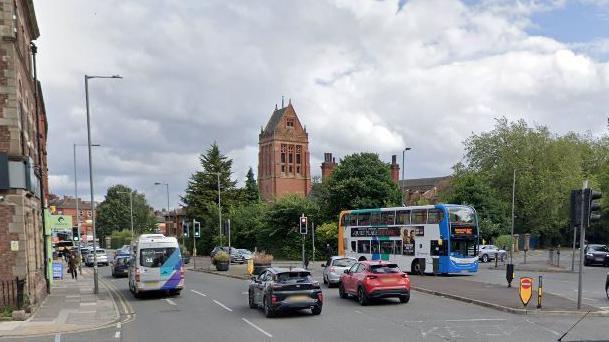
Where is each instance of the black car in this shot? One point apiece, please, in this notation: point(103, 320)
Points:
point(596, 254)
point(280, 289)
point(120, 266)
point(607, 285)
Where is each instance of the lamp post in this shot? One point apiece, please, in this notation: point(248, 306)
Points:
point(95, 274)
point(77, 209)
point(130, 209)
point(403, 180)
point(166, 188)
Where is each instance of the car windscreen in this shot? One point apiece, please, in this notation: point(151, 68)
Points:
point(344, 262)
point(100, 251)
point(155, 257)
point(387, 268)
point(294, 277)
point(599, 248)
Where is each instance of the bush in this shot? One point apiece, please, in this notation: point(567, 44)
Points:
point(503, 241)
point(221, 257)
point(262, 258)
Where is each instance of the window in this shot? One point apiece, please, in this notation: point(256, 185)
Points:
point(374, 247)
point(462, 215)
point(387, 247)
point(343, 262)
point(282, 168)
point(290, 169)
point(297, 158)
point(353, 268)
point(353, 246)
point(360, 268)
point(419, 216)
point(462, 248)
point(375, 218)
point(290, 158)
point(298, 170)
point(154, 257)
point(387, 217)
point(388, 268)
point(403, 217)
point(363, 219)
point(290, 122)
point(294, 277)
point(363, 246)
point(434, 216)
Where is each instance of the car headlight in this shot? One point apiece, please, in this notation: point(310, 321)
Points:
point(589, 254)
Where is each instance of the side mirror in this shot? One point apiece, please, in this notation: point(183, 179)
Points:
point(323, 265)
point(346, 271)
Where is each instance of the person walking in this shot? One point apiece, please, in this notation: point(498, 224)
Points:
point(72, 266)
point(329, 253)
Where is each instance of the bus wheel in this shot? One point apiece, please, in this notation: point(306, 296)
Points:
point(362, 258)
point(416, 267)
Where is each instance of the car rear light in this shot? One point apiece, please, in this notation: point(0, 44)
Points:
point(320, 296)
point(371, 277)
point(137, 274)
point(273, 299)
point(404, 275)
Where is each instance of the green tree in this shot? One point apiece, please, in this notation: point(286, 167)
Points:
point(201, 196)
point(246, 221)
point(113, 214)
point(250, 192)
point(361, 180)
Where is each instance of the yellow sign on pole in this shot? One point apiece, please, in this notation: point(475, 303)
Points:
point(250, 266)
point(526, 290)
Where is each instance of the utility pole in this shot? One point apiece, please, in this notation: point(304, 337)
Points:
point(220, 213)
point(582, 241)
point(313, 242)
point(513, 204)
point(229, 248)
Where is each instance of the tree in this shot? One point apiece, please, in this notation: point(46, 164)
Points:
point(113, 214)
point(250, 192)
point(361, 180)
point(201, 197)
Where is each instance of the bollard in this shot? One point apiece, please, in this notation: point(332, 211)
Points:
point(496, 259)
point(558, 256)
point(539, 292)
point(509, 274)
point(525, 255)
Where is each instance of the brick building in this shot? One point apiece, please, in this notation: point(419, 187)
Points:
point(66, 205)
point(283, 156)
point(22, 152)
point(329, 164)
point(170, 222)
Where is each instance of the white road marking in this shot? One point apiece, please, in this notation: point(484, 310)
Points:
point(222, 305)
point(169, 301)
point(57, 337)
point(244, 293)
point(475, 320)
point(117, 334)
point(199, 293)
point(359, 312)
point(118, 325)
point(257, 327)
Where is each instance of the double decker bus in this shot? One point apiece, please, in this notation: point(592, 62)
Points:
point(439, 238)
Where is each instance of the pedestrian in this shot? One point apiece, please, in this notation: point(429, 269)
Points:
point(72, 266)
point(306, 262)
point(329, 253)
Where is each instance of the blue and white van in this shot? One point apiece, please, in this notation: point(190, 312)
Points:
point(156, 265)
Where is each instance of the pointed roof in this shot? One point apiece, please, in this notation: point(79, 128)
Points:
point(274, 120)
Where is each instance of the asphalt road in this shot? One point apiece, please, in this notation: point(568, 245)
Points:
point(214, 308)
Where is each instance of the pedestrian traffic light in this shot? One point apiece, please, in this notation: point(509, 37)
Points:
point(591, 206)
point(303, 225)
point(75, 233)
point(185, 229)
point(197, 229)
point(576, 208)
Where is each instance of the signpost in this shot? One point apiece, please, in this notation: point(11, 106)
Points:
point(303, 232)
point(526, 290)
point(196, 232)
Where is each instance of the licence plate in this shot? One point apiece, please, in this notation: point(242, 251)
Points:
point(387, 280)
point(600, 258)
point(299, 298)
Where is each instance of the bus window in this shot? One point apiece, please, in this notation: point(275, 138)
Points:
point(375, 219)
point(403, 217)
point(463, 248)
point(397, 249)
point(418, 216)
point(353, 246)
point(387, 247)
point(434, 216)
point(462, 215)
point(374, 247)
point(387, 217)
point(363, 219)
point(348, 220)
point(363, 246)
point(436, 249)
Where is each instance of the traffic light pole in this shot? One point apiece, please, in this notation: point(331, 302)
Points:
point(194, 246)
point(582, 238)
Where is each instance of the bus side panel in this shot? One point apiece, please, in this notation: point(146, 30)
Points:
point(170, 271)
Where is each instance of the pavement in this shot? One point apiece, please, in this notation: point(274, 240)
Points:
point(71, 306)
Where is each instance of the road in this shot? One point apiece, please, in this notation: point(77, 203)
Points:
point(214, 308)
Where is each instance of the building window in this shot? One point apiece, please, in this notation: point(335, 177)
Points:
point(290, 122)
point(290, 169)
point(298, 170)
point(282, 168)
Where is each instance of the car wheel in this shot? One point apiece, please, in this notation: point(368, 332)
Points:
point(586, 263)
point(251, 300)
point(404, 299)
point(341, 291)
point(268, 311)
point(316, 310)
point(607, 290)
point(326, 281)
point(485, 258)
point(362, 298)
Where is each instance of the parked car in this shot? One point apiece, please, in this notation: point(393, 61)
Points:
point(246, 253)
point(102, 258)
point(596, 254)
point(120, 266)
point(235, 256)
point(279, 289)
point(487, 253)
point(336, 268)
point(368, 280)
point(185, 255)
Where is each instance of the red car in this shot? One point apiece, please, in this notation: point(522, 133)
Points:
point(374, 279)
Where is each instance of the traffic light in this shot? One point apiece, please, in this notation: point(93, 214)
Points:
point(591, 206)
point(75, 233)
point(303, 225)
point(576, 208)
point(197, 229)
point(185, 229)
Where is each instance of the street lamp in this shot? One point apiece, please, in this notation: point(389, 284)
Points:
point(167, 188)
point(77, 209)
point(130, 208)
point(403, 180)
point(95, 274)
point(219, 208)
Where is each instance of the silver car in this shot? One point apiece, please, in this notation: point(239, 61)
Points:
point(102, 257)
point(336, 267)
point(487, 253)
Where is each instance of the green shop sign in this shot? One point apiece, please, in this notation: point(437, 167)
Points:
point(60, 222)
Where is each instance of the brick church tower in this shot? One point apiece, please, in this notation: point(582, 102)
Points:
point(283, 156)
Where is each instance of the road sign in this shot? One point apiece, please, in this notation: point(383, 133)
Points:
point(526, 290)
point(60, 222)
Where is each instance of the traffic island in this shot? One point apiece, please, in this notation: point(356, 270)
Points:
point(499, 297)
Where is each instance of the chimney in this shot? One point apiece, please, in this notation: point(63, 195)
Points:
point(327, 166)
point(395, 170)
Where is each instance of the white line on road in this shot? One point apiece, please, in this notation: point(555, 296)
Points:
point(199, 293)
point(57, 337)
point(475, 320)
point(245, 292)
point(169, 301)
point(359, 312)
point(257, 327)
point(118, 325)
point(222, 305)
point(117, 334)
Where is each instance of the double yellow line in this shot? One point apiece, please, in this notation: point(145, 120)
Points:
point(127, 309)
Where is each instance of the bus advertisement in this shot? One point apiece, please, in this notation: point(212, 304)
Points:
point(439, 238)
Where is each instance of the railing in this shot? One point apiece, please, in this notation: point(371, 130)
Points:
point(11, 293)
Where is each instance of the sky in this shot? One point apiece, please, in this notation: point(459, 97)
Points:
point(363, 75)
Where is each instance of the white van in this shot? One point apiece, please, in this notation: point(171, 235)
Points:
point(156, 265)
